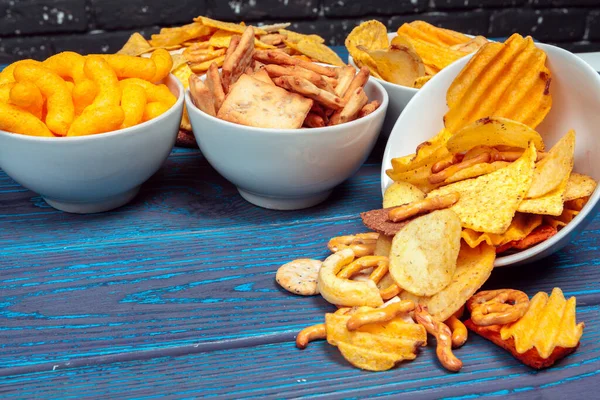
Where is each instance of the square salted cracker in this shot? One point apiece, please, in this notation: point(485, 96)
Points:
point(255, 103)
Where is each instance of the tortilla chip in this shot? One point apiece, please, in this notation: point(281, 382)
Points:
point(550, 204)
point(579, 186)
point(316, 51)
point(295, 37)
point(135, 45)
point(427, 153)
point(227, 26)
point(488, 203)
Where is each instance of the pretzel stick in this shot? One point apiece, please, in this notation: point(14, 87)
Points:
point(360, 80)
point(362, 244)
point(350, 111)
point(451, 170)
point(213, 81)
point(369, 108)
point(240, 59)
point(497, 307)
point(233, 44)
point(276, 71)
point(307, 89)
point(406, 211)
point(459, 331)
point(345, 75)
point(279, 57)
point(201, 95)
point(443, 337)
point(383, 314)
point(389, 292)
point(442, 165)
point(309, 334)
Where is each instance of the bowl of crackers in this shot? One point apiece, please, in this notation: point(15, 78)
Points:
point(404, 61)
point(286, 131)
point(508, 146)
point(85, 132)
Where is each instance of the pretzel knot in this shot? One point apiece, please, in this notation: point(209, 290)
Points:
point(497, 307)
point(380, 265)
point(362, 244)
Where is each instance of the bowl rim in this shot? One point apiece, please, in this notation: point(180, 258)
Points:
point(191, 107)
point(593, 203)
point(99, 136)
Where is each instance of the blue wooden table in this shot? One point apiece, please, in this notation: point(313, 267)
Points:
point(174, 296)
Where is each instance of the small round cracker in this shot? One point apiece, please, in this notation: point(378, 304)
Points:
point(299, 276)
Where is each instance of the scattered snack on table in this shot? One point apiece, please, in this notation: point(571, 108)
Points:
point(299, 276)
point(73, 95)
point(271, 89)
point(419, 51)
point(544, 333)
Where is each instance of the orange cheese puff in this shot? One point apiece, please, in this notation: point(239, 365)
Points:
point(6, 75)
point(154, 92)
point(131, 67)
point(133, 103)
point(68, 65)
point(84, 94)
point(5, 91)
point(28, 97)
point(164, 63)
point(99, 71)
point(97, 120)
point(13, 119)
point(154, 109)
point(59, 103)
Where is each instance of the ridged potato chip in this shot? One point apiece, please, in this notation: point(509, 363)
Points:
point(494, 131)
point(473, 268)
point(521, 226)
point(488, 203)
point(549, 322)
point(399, 193)
point(423, 254)
point(503, 79)
point(579, 186)
point(398, 64)
point(554, 168)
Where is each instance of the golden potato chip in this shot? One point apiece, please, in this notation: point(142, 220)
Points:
point(521, 226)
point(135, 45)
point(199, 56)
point(295, 37)
point(548, 323)
point(399, 193)
point(176, 36)
point(488, 203)
point(473, 268)
point(227, 26)
point(398, 64)
point(375, 347)
point(423, 255)
point(494, 131)
point(503, 79)
point(316, 51)
point(475, 171)
point(472, 45)
point(432, 34)
point(428, 152)
point(554, 168)
point(562, 220)
point(371, 35)
point(275, 27)
point(579, 186)
point(549, 204)
point(221, 39)
point(421, 81)
point(382, 248)
point(202, 67)
point(433, 55)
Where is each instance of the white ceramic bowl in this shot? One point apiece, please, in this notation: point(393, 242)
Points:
point(288, 169)
point(399, 97)
point(93, 173)
point(576, 104)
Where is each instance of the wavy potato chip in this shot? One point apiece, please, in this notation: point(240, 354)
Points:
point(554, 168)
point(423, 254)
point(475, 171)
point(549, 322)
point(488, 203)
point(316, 51)
point(398, 64)
point(579, 186)
point(473, 268)
point(520, 227)
point(399, 193)
point(494, 131)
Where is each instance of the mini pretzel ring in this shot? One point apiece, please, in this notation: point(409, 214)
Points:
point(362, 244)
point(381, 265)
point(497, 307)
point(383, 314)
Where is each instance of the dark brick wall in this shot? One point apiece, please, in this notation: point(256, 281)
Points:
point(38, 28)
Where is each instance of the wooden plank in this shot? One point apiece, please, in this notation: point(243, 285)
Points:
point(101, 298)
point(185, 195)
point(281, 370)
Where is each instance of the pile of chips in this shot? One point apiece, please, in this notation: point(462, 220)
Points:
point(419, 51)
point(73, 95)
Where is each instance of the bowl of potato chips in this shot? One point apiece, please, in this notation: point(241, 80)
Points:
point(404, 61)
point(86, 131)
point(510, 132)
